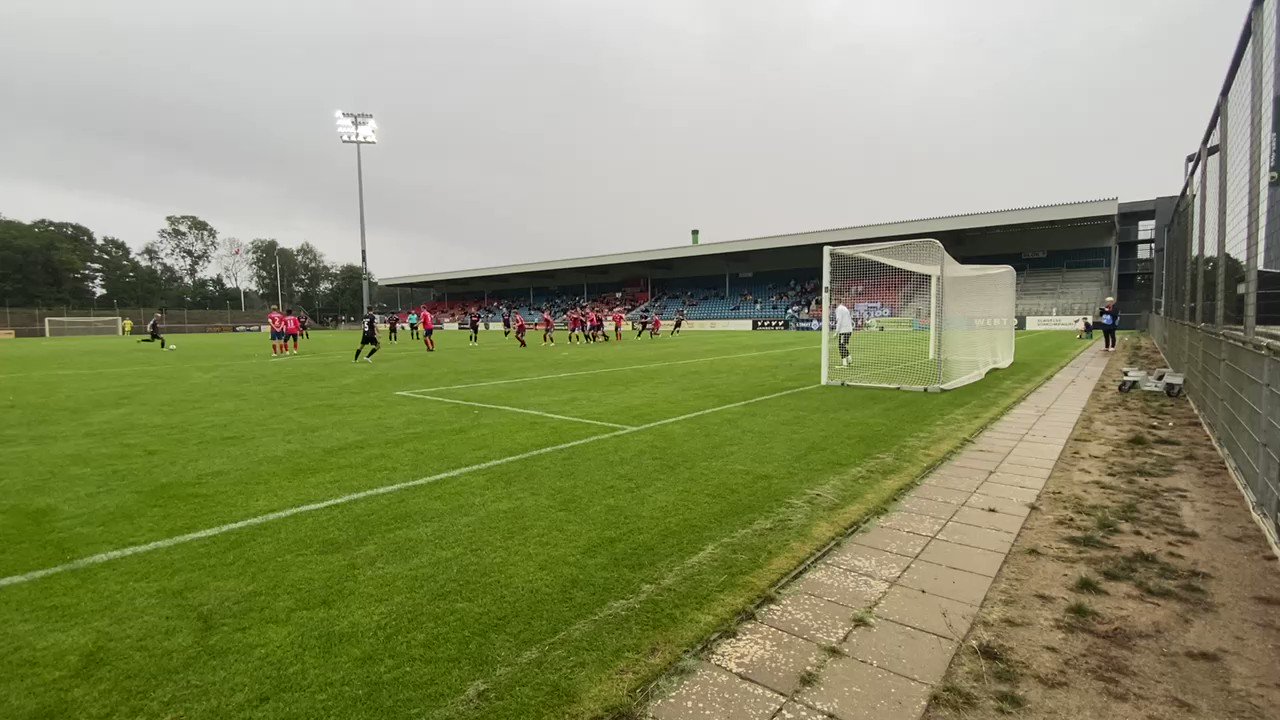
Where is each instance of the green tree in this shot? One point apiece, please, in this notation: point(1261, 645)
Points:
point(189, 243)
point(262, 268)
point(46, 263)
point(346, 290)
point(118, 272)
point(312, 274)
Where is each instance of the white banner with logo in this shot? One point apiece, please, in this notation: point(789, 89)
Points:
point(1052, 322)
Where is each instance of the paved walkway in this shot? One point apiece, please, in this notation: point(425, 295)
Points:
point(868, 630)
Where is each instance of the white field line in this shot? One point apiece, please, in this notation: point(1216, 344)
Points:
point(516, 409)
point(606, 370)
point(110, 555)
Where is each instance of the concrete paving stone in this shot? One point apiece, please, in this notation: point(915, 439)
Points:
point(812, 618)
point(972, 453)
point(997, 433)
point(963, 557)
point(925, 506)
point(911, 522)
point(891, 540)
point(1020, 466)
point(1052, 441)
point(950, 469)
point(905, 650)
point(946, 582)
point(1035, 450)
point(869, 561)
point(853, 690)
point(795, 711)
point(1012, 492)
point(1015, 480)
point(966, 485)
point(974, 463)
point(984, 538)
point(931, 613)
point(841, 586)
point(992, 520)
point(995, 445)
point(1028, 461)
point(1004, 505)
point(712, 693)
point(768, 657)
point(939, 493)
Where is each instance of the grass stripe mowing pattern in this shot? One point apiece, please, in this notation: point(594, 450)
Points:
point(544, 588)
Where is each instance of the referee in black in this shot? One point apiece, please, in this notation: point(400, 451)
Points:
point(369, 336)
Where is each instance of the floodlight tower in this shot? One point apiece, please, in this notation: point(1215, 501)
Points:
point(359, 129)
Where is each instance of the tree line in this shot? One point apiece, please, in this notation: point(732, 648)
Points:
point(45, 263)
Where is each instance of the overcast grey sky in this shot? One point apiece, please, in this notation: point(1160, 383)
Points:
point(541, 129)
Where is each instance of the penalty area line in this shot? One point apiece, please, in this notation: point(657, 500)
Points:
point(125, 552)
point(607, 370)
point(508, 408)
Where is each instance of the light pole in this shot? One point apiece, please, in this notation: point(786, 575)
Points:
point(359, 129)
point(279, 291)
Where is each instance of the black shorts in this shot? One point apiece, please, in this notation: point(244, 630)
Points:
point(155, 335)
point(426, 332)
point(413, 326)
point(369, 340)
point(291, 336)
point(393, 330)
point(473, 328)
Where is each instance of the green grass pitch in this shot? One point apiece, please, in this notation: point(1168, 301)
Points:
point(512, 582)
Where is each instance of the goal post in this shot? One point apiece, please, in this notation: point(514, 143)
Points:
point(913, 317)
point(73, 326)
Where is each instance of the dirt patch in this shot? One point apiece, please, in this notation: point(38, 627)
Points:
point(1139, 588)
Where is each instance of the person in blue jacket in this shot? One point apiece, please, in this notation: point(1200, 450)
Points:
point(1109, 320)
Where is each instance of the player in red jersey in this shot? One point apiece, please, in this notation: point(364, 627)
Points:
point(656, 329)
point(276, 322)
point(548, 328)
point(520, 327)
point(617, 324)
point(292, 329)
point(591, 325)
point(573, 324)
point(428, 329)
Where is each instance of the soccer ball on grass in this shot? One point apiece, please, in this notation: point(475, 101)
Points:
point(173, 347)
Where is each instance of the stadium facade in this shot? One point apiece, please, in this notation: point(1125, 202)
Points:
point(1068, 257)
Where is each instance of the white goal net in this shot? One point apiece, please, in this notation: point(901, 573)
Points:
point(68, 326)
point(905, 314)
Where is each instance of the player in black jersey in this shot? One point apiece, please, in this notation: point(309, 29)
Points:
point(369, 337)
point(473, 323)
point(675, 327)
point(506, 321)
point(393, 325)
point(153, 331)
point(644, 324)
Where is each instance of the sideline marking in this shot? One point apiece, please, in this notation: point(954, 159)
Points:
point(516, 409)
point(373, 492)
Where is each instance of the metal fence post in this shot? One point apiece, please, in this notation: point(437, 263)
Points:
point(1197, 256)
point(1220, 303)
point(1255, 170)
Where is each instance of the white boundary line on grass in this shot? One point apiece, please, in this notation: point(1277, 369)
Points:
point(110, 555)
point(508, 408)
point(605, 370)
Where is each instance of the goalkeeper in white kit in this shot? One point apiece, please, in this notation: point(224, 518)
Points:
point(844, 330)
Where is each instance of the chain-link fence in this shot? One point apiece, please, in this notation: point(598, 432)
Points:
point(1216, 310)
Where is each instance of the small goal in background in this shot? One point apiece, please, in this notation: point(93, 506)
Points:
point(914, 318)
point(73, 326)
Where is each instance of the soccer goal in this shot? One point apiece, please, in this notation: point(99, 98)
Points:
point(913, 317)
point(68, 326)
